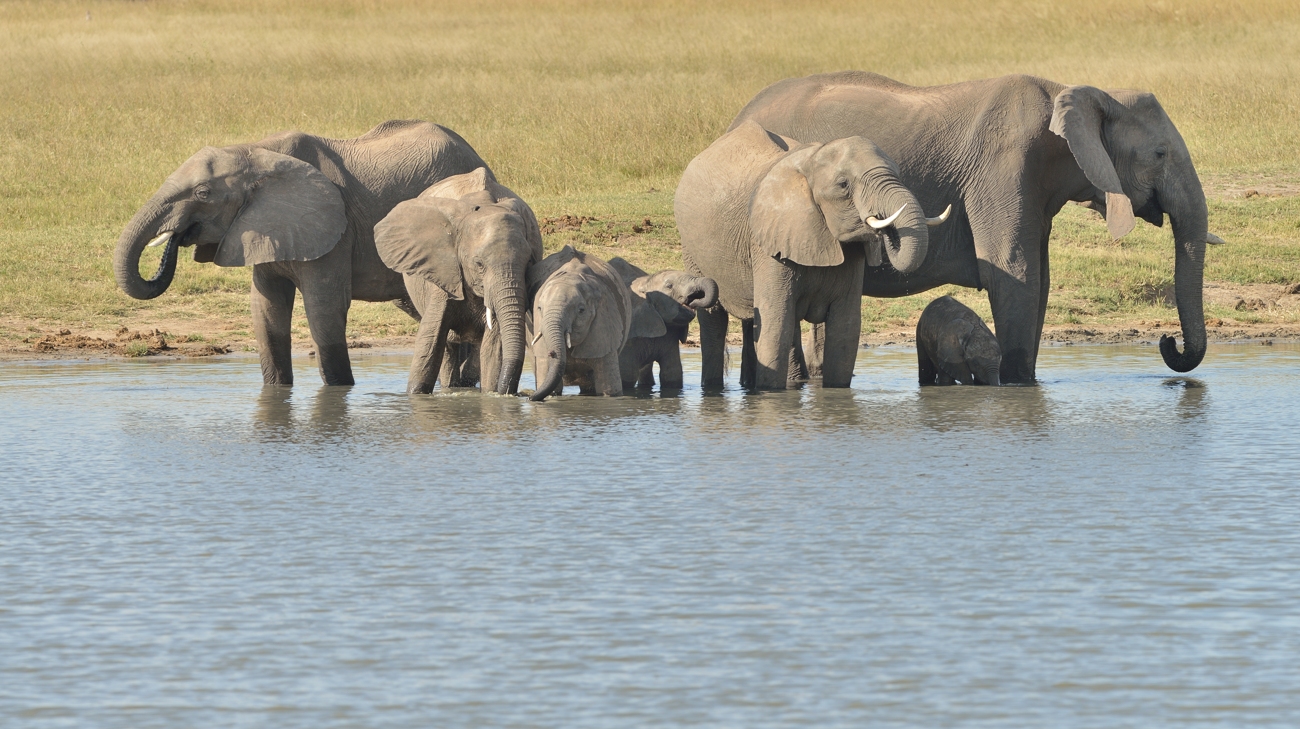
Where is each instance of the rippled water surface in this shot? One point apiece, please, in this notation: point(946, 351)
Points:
point(1115, 547)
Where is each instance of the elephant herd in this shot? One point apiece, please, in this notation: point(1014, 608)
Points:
point(824, 189)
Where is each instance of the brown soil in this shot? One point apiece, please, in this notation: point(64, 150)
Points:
point(1236, 186)
point(205, 338)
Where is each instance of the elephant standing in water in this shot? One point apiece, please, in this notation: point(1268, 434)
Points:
point(1013, 150)
point(582, 312)
point(301, 210)
point(785, 229)
point(467, 229)
point(663, 307)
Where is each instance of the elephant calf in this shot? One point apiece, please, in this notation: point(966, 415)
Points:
point(582, 312)
point(663, 306)
point(464, 247)
point(954, 345)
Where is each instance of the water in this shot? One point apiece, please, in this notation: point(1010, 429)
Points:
point(1116, 547)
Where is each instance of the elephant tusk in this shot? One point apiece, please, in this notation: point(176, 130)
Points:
point(878, 224)
point(942, 217)
point(160, 239)
point(568, 341)
point(1213, 239)
point(489, 318)
point(539, 336)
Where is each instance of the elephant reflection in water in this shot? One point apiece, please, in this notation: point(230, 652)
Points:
point(1192, 397)
point(949, 409)
point(277, 418)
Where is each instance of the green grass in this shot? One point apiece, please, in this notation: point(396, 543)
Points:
point(591, 109)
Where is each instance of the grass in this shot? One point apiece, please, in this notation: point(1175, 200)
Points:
point(592, 109)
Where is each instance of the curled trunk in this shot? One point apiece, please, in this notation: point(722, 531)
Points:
point(908, 239)
point(554, 329)
point(708, 294)
point(509, 310)
point(130, 245)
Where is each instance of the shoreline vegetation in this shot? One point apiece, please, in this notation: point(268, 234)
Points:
point(590, 112)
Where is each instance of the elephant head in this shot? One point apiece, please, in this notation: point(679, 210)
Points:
point(666, 301)
point(581, 308)
point(969, 353)
point(470, 230)
point(845, 191)
point(1135, 158)
point(238, 206)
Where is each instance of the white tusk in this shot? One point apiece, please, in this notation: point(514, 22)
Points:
point(568, 341)
point(489, 318)
point(539, 336)
point(878, 224)
point(1213, 239)
point(942, 217)
point(160, 239)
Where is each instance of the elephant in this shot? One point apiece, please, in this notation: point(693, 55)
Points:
point(663, 306)
point(301, 210)
point(582, 312)
point(785, 229)
point(953, 344)
point(463, 248)
point(1013, 150)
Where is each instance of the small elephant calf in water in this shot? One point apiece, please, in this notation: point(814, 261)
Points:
point(663, 306)
point(954, 345)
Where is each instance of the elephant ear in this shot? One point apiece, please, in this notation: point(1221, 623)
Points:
point(646, 322)
point(1078, 115)
point(627, 271)
point(613, 320)
point(786, 222)
point(532, 231)
point(952, 349)
point(294, 213)
point(418, 238)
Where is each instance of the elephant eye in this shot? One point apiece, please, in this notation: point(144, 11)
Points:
point(1160, 153)
point(201, 193)
point(844, 184)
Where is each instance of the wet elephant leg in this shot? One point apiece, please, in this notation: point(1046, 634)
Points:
point(645, 377)
point(671, 376)
point(817, 352)
point(327, 317)
point(430, 343)
point(1009, 266)
point(713, 345)
point(1044, 288)
point(605, 377)
point(775, 323)
point(272, 304)
point(843, 328)
point(748, 358)
point(798, 369)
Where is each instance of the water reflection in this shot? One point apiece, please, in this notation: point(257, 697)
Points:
point(1026, 409)
point(1193, 397)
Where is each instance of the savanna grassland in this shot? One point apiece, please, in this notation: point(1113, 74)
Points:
point(591, 111)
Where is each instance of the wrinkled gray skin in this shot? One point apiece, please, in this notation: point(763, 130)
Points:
point(663, 307)
point(582, 313)
point(954, 345)
point(301, 210)
point(781, 226)
point(1012, 151)
point(464, 247)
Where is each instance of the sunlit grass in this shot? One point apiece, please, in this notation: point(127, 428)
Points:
point(591, 109)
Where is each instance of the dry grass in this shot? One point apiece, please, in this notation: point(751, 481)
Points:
point(587, 108)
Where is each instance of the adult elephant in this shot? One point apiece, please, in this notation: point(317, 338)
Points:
point(301, 210)
point(1014, 150)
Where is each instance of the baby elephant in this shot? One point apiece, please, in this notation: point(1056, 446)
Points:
point(663, 306)
point(954, 345)
point(582, 312)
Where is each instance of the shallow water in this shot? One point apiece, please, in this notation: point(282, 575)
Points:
point(1115, 547)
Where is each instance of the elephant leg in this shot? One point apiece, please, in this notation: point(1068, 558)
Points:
point(925, 366)
point(748, 359)
point(629, 366)
point(817, 352)
point(671, 376)
point(1044, 287)
point(605, 378)
point(1009, 266)
point(645, 379)
point(798, 369)
point(489, 359)
point(843, 328)
point(430, 345)
point(944, 379)
point(327, 316)
point(272, 304)
point(774, 321)
point(713, 345)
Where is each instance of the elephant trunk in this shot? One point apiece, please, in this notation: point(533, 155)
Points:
point(909, 240)
point(508, 306)
point(705, 295)
point(992, 376)
point(554, 329)
point(144, 227)
point(1188, 217)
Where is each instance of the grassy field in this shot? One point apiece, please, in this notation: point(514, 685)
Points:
point(593, 109)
